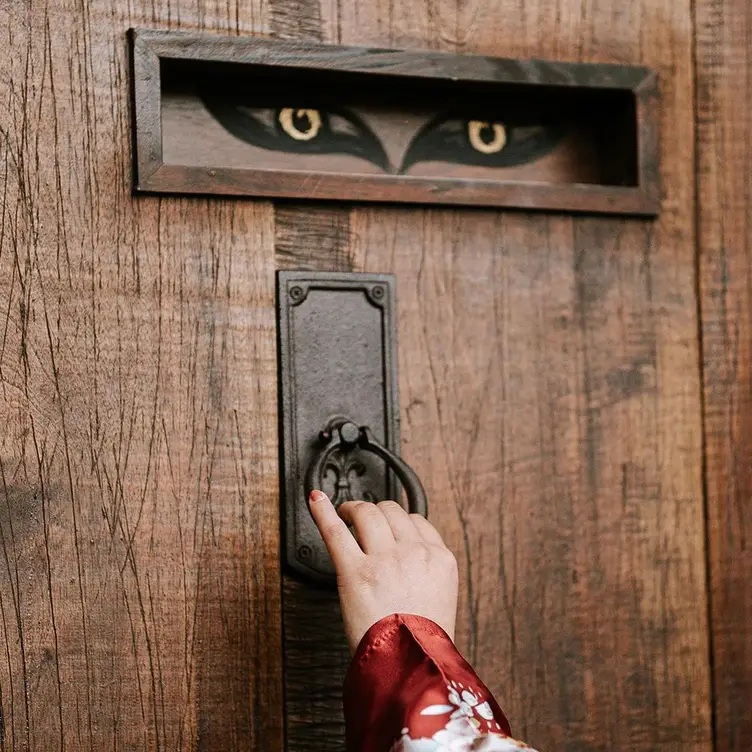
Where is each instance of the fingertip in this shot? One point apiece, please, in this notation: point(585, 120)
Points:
point(339, 542)
point(321, 507)
point(317, 496)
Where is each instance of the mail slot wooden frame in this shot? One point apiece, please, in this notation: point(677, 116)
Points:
point(154, 176)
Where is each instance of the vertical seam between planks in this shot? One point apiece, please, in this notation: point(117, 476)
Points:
point(698, 248)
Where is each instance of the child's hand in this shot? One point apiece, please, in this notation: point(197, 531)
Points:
point(398, 564)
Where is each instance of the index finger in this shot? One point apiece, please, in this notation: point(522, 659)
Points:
point(339, 541)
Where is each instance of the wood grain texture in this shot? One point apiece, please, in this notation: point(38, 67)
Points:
point(724, 117)
point(316, 661)
point(139, 575)
point(550, 397)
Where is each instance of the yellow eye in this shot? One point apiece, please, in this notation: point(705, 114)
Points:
point(485, 137)
point(302, 125)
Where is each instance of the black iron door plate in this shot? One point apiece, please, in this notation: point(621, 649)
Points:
point(338, 402)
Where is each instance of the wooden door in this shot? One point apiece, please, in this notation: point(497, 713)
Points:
point(550, 397)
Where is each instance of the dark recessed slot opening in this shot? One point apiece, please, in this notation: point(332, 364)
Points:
point(247, 116)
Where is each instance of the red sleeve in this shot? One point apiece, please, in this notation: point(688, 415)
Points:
point(408, 688)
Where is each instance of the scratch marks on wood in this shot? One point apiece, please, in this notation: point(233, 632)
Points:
point(296, 19)
point(136, 353)
point(312, 237)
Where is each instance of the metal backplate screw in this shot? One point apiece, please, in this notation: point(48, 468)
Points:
point(377, 292)
point(305, 552)
point(296, 292)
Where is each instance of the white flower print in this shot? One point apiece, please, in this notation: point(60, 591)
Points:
point(437, 710)
point(449, 743)
point(464, 704)
point(456, 731)
point(406, 744)
point(494, 743)
point(462, 731)
point(484, 711)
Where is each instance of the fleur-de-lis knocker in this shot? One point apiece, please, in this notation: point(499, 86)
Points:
point(339, 442)
point(346, 469)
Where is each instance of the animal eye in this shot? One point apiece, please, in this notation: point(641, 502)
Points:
point(483, 142)
point(302, 125)
point(298, 127)
point(485, 137)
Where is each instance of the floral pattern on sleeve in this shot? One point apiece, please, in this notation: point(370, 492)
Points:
point(410, 690)
point(470, 727)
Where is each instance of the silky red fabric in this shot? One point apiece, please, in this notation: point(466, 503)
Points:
point(407, 677)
